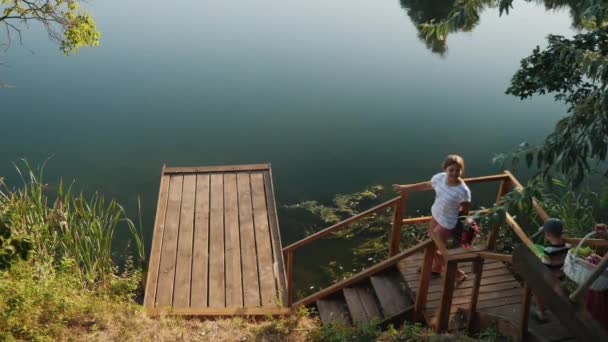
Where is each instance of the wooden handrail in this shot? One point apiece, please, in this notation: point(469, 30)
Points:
point(423, 219)
point(364, 274)
point(574, 317)
point(520, 232)
point(539, 210)
point(339, 225)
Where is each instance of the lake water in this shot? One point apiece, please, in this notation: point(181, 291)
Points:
point(337, 95)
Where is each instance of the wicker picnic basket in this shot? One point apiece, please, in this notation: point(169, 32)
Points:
point(578, 270)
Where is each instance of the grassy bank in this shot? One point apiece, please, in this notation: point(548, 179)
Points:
point(60, 279)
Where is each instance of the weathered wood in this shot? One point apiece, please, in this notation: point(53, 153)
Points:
point(251, 285)
point(252, 311)
point(425, 277)
point(200, 257)
point(519, 231)
point(483, 289)
point(395, 237)
point(447, 286)
point(363, 274)
point(485, 179)
point(234, 281)
point(220, 168)
point(361, 305)
point(524, 313)
point(496, 256)
point(423, 219)
point(183, 268)
point(482, 297)
point(503, 189)
point(478, 271)
point(589, 242)
point(289, 278)
point(166, 277)
point(275, 234)
point(390, 293)
point(268, 286)
point(333, 310)
point(542, 282)
point(355, 307)
point(370, 304)
point(339, 225)
point(157, 239)
point(217, 281)
point(539, 210)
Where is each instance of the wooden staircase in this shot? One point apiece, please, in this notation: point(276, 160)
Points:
point(401, 287)
point(381, 298)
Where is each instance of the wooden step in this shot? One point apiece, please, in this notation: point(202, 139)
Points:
point(391, 294)
point(334, 310)
point(362, 304)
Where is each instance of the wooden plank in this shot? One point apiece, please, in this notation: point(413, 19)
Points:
point(519, 231)
point(200, 258)
point(486, 304)
point(268, 286)
point(390, 293)
point(166, 277)
point(425, 279)
point(218, 168)
point(492, 270)
point(514, 284)
point(234, 281)
point(157, 240)
point(539, 210)
point(212, 312)
point(340, 225)
point(370, 304)
point(466, 299)
point(217, 283)
point(524, 313)
point(275, 234)
point(183, 268)
point(447, 286)
point(334, 310)
point(395, 237)
point(542, 282)
point(505, 276)
point(478, 271)
point(467, 268)
point(355, 307)
point(552, 332)
point(363, 274)
point(249, 259)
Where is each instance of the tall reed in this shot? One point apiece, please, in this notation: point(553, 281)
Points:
point(63, 224)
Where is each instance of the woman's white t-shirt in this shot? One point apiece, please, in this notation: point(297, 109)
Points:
point(447, 200)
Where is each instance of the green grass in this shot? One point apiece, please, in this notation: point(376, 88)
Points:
point(64, 224)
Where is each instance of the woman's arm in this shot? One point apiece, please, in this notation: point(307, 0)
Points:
point(413, 187)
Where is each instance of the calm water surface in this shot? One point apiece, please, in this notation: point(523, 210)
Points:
point(337, 95)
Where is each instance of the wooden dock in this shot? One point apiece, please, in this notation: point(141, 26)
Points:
point(216, 248)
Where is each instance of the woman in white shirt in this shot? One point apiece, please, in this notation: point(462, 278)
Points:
point(451, 197)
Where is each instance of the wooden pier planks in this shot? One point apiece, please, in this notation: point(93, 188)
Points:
point(216, 242)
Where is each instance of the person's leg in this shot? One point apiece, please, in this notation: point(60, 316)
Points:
point(443, 235)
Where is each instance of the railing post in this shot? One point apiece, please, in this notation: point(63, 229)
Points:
point(447, 288)
point(289, 277)
point(524, 313)
point(425, 279)
point(477, 270)
point(397, 223)
point(505, 187)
